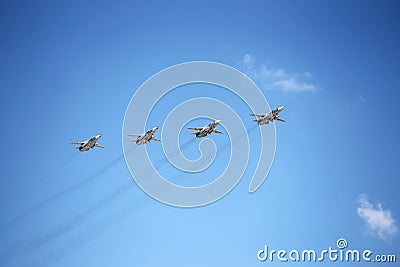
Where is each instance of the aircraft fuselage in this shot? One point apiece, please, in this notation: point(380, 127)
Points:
point(146, 137)
point(89, 144)
point(270, 116)
point(208, 129)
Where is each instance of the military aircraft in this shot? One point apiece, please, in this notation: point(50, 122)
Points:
point(88, 144)
point(269, 117)
point(206, 130)
point(146, 137)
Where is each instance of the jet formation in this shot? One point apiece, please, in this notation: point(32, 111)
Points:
point(148, 136)
point(88, 144)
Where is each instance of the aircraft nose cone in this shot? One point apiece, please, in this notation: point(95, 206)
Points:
point(218, 121)
point(99, 136)
point(281, 108)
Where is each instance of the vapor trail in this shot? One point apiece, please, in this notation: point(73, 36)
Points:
point(45, 177)
point(58, 195)
point(117, 216)
point(63, 229)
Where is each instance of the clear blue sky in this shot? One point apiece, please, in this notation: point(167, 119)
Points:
point(70, 68)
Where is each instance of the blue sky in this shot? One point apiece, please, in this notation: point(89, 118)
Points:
point(69, 70)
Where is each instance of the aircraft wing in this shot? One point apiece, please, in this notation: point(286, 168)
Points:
point(257, 115)
point(97, 145)
point(155, 139)
point(77, 143)
point(279, 119)
point(195, 129)
point(218, 132)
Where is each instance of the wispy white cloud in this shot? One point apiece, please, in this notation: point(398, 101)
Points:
point(379, 222)
point(362, 99)
point(248, 60)
point(278, 78)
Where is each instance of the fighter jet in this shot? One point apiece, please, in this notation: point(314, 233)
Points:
point(146, 137)
point(88, 144)
point(206, 130)
point(269, 117)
